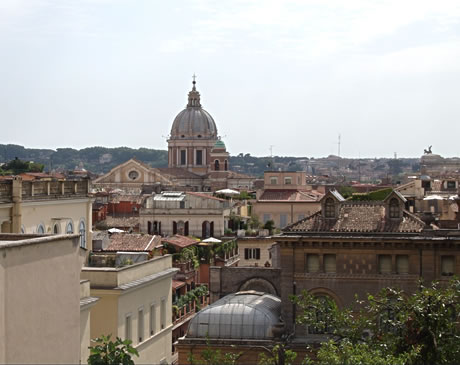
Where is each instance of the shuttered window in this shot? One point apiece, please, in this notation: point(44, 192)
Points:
point(402, 264)
point(447, 265)
point(329, 263)
point(385, 264)
point(283, 220)
point(312, 263)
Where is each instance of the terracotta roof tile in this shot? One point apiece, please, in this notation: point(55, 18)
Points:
point(358, 217)
point(180, 241)
point(112, 222)
point(176, 284)
point(179, 173)
point(133, 242)
point(290, 195)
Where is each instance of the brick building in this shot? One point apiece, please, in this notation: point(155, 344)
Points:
point(359, 247)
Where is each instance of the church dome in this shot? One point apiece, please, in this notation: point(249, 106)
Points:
point(194, 122)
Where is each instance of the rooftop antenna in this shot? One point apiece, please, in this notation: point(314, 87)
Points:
point(338, 146)
point(271, 163)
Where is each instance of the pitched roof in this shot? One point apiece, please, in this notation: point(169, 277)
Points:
point(133, 242)
point(358, 217)
point(290, 195)
point(112, 222)
point(179, 173)
point(180, 241)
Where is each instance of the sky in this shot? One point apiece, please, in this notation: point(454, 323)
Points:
point(294, 74)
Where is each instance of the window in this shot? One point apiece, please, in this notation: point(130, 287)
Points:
point(447, 265)
point(128, 327)
point(451, 185)
point(283, 220)
point(152, 320)
point(312, 263)
point(322, 317)
point(402, 264)
point(273, 180)
point(394, 208)
point(140, 325)
point(163, 313)
point(199, 157)
point(385, 264)
point(133, 175)
point(329, 263)
point(216, 165)
point(252, 253)
point(82, 232)
point(56, 228)
point(329, 208)
point(225, 165)
point(41, 229)
point(69, 228)
point(182, 205)
point(183, 157)
point(266, 217)
point(288, 180)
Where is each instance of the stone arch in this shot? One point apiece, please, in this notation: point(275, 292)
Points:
point(326, 292)
point(259, 284)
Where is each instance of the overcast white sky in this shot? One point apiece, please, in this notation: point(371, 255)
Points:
point(293, 74)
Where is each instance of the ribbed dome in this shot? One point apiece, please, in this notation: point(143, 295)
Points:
point(193, 122)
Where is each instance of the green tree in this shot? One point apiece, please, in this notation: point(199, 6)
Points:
point(210, 356)
point(389, 328)
point(279, 355)
point(270, 225)
point(108, 352)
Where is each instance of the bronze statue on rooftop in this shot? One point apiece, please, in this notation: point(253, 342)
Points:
point(428, 151)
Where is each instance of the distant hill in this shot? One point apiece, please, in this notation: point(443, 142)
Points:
point(101, 159)
point(94, 159)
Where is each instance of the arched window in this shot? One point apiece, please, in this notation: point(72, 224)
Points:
point(56, 228)
point(41, 229)
point(394, 208)
point(225, 165)
point(216, 165)
point(205, 230)
point(82, 231)
point(329, 208)
point(69, 228)
point(323, 316)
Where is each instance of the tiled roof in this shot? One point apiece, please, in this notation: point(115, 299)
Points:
point(176, 284)
point(112, 222)
point(133, 242)
point(87, 301)
point(358, 217)
point(180, 241)
point(179, 173)
point(290, 195)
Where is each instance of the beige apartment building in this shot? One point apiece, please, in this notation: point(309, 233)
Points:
point(185, 213)
point(285, 198)
point(46, 207)
point(44, 309)
point(255, 251)
point(135, 303)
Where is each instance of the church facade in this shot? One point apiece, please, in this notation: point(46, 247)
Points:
point(197, 159)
